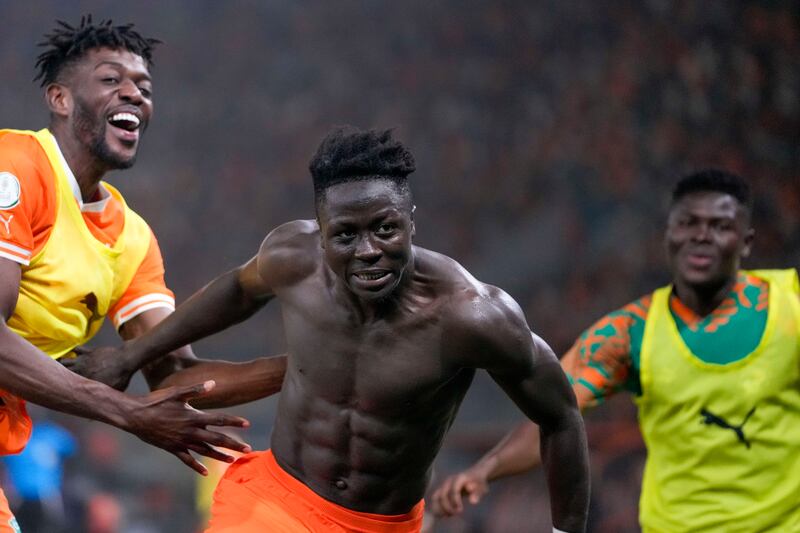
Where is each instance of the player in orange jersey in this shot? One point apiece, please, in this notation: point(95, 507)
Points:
point(72, 252)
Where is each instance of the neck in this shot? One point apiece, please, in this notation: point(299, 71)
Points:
point(88, 171)
point(703, 299)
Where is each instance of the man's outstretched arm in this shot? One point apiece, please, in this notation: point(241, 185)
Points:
point(157, 342)
point(162, 418)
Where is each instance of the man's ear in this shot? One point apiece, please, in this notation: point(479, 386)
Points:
point(748, 242)
point(413, 224)
point(321, 240)
point(59, 99)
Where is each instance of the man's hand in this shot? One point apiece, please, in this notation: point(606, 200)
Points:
point(472, 483)
point(164, 418)
point(108, 365)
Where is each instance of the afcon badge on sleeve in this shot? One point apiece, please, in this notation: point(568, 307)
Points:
point(9, 190)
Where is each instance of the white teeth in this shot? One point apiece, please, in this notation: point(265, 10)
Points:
point(370, 275)
point(127, 117)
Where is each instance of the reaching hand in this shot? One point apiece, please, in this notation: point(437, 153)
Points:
point(108, 365)
point(165, 419)
point(472, 483)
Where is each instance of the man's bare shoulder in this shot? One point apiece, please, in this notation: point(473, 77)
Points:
point(475, 313)
point(290, 252)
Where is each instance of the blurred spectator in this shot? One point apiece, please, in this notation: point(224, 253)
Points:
point(36, 479)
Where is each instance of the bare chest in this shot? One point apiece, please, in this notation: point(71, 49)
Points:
point(384, 367)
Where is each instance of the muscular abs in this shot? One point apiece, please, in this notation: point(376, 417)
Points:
point(364, 407)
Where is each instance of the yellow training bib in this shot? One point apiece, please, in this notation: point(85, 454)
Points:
point(723, 441)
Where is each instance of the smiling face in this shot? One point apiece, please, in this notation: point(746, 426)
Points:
point(366, 229)
point(111, 104)
point(707, 235)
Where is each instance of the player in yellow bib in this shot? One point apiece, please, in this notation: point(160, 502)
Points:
point(713, 361)
point(72, 252)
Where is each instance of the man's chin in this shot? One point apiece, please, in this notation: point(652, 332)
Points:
point(704, 282)
point(373, 296)
point(116, 159)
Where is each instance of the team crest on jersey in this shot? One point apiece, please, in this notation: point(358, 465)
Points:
point(9, 190)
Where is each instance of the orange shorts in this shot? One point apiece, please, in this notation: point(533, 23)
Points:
point(257, 495)
point(15, 424)
point(8, 524)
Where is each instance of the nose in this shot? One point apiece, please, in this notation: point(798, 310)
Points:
point(702, 233)
point(366, 250)
point(129, 92)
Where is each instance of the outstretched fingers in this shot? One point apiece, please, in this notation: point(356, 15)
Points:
point(221, 440)
point(189, 460)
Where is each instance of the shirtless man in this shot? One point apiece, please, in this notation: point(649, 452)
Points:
point(384, 339)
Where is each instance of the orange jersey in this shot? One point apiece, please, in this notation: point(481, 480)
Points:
point(28, 208)
point(78, 262)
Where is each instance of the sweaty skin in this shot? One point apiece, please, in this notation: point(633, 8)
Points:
point(384, 339)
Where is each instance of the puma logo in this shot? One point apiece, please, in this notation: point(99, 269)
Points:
point(6, 223)
point(90, 301)
point(710, 418)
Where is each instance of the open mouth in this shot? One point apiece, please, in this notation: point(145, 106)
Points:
point(370, 276)
point(124, 121)
point(371, 280)
point(699, 260)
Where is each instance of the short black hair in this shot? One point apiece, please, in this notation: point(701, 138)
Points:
point(351, 154)
point(714, 180)
point(66, 44)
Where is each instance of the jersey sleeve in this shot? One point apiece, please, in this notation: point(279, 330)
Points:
point(601, 362)
point(147, 289)
point(27, 203)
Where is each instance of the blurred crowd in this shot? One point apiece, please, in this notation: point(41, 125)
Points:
point(547, 136)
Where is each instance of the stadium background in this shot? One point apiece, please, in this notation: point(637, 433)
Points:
point(547, 135)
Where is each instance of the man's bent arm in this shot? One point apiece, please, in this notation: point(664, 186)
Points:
point(227, 300)
point(236, 383)
point(497, 338)
point(547, 399)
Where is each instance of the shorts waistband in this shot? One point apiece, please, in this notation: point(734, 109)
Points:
point(354, 519)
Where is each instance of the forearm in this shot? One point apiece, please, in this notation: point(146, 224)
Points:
point(566, 461)
point(219, 305)
point(236, 383)
point(27, 372)
point(516, 453)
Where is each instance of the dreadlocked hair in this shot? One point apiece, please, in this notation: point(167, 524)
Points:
point(66, 44)
point(350, 154)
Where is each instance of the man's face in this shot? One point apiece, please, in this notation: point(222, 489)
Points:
point(112, 104)
point(707, 235)
point(366, 229)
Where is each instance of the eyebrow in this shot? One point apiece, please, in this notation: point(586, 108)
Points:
point(120, 66)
